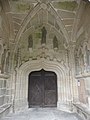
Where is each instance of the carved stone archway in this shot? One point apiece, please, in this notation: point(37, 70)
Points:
point(21, 92)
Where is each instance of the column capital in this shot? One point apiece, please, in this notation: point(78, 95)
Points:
point(71, 45)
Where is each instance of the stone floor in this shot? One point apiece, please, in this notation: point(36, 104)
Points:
point(42, 114)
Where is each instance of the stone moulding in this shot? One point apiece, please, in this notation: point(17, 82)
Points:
point(36, 65)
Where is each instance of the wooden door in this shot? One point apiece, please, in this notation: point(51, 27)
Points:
point(42, 89)
point(50, 89)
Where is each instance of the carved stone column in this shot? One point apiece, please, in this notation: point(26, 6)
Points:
point(73, 81)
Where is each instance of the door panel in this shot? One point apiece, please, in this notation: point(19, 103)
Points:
point(36, 88)
point(50, 82)
point(50, 90)
point(50, 98)
point(42, 89)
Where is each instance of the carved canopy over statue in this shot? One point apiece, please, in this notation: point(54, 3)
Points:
point(44, 33)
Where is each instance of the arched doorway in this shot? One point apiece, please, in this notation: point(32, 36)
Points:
point(21, 92)
point(42, 89)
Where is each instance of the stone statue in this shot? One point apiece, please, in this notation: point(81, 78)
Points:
point(44, 33)
point(30, 41)
point(55, 42)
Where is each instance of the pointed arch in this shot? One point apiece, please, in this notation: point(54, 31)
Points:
point(31, 15)
point(36, 65)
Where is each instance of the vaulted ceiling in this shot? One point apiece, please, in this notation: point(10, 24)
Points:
point(66, 13)
point(62, 16)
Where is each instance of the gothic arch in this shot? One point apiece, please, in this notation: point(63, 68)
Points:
point(36, 65)
point(31, 15)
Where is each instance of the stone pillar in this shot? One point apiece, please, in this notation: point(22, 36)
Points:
point(89, 102)
point(85, 48)
point(73, 81)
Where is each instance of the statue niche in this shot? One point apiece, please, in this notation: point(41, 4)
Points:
point(44, 33)
point(30, 43)
point(55, 43)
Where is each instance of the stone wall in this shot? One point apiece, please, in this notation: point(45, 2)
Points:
point(63, 47)
point(5, 95)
